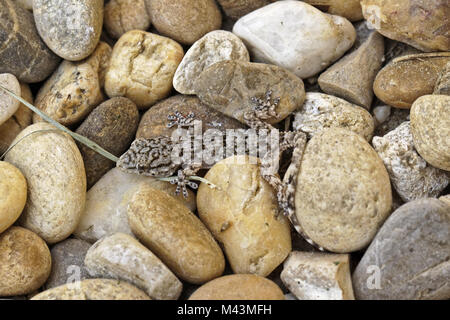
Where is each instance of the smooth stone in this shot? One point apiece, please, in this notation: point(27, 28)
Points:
point(68, 263)
point(352, 77)
point(13, 194)
point(142, 67)
point(344, 193)
point(381, 114)
point(54, 170)
point(238, 8)
point(349, 9)
point(75, 88)
point(408, 259)
point(214, 47)
point(411, 176)
point(239, 287)
point(25, 262)
point(407, 78)
point(165, 226)
point(430, 127)
point(70, 29)
point(112, 125)
point(122, 257)
point(94, 289)
point(154, 122)
point(184, 21)
point(122, 16)
point(27, 4)
point(8, 104)
point(18, 121)
point(421, 24)
point(23, 53)
point(295, 36)
point(321, 111)
point(318, 276)
point(242, 214)
point(229, 86)
point(107, 201)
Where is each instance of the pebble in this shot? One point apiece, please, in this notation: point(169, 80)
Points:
point(165, 226)
point(239, 287)
point(94, 289)
point(107, 202)
point(184, 21)
point(25, 262)
point(13, 194)
point(54, 170)
point(295, 36)
point(421, 24)
point(112, 125)
point(228, 87)
point(381, 114)
point(318, 276)
point(243, 216)
point(154, 121)
point(235, 9)
point(25, 55)
point(430, 127)
point(214, 47)
point(8, 105)
point(18, 121)
point(409, 77)
point(122, 257)
point(122, 16)
point(142, 67)
point(350, 9)
point(70, 29)
point(408, 259)
point(345, 192)
point(68, 263)
point(75, 88)
point(411, 176)
point(321, 111)
point(352, 77)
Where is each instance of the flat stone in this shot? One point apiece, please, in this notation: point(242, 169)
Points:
point(295, 36)
point(409, 257)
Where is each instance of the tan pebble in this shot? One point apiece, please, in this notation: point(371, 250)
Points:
point(8, 104)
point(122, 16)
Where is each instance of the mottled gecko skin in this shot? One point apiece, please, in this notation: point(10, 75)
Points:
point(153, 157)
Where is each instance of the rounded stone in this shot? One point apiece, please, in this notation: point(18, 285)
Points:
point(25, 262)
point(409, 77)
point(112, 125)
point(239, 287)
point(54, 170)
point(165, 226)
point(122, 257)
point(68, 263)
point(13, 194)
point(18, 121)
point(107, 202)
point(421, 24)
point(154, 122)
point(94, 289)
point(242, 214)
point(71, 29)
point(408, 258)
point(75, 88)
point(184, 21)
point(229, 86)
point(238, 8)
point(142, 67)
point(122, 16)
point(343, 192)
point(321, 111)
point(23, 53)
point(295, 36)
point(214, 47)
point(8, 104)
point(430, 127)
